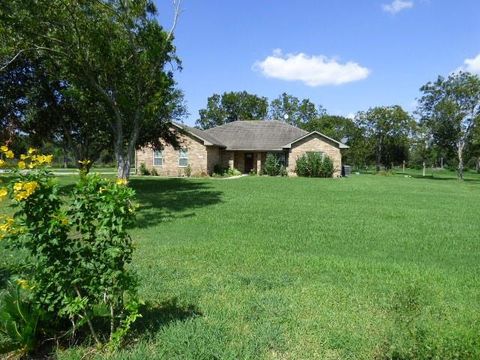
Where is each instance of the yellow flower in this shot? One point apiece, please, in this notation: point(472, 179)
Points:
point(122, 182)
point(22, 190)
point(6, 227)
point(24, 157)
point(47, 159)
point(9, 154)
point(21, 165)
point(2, 162)
point(24, 284)
point(3, 193)
point(31, 151)
point(4, 148)
point(84, 162)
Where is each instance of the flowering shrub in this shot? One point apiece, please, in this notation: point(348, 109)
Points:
point(78, 252)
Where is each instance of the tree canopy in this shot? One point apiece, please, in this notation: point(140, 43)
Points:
point(232, 106)
point(294, 111)
point(112, 51)
point(450, 108)
point(388, 128)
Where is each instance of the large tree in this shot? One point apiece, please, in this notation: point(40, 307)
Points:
point(114, 49)
point(294, 111)
point(388, 129)
point(47, 110)
point(450, 108)
point(232, 106)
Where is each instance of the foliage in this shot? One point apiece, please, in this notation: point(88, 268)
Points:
point(144, 170)
point(78, 253)
point(388, 128)
point(220, 171)
point(113, 51)
point(294, 111)
point(188, 171)
point(232, 106)
point(233, 172)
point(19, 319)
point(153, 172)
point(450, 109)
point(314, 164)
point(272, 165)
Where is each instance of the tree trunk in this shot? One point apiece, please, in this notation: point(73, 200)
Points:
point(123, 166)
point(477, 165)
point(378, 155)
point(461, 145)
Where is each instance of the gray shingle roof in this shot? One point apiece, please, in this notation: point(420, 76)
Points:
point(255, 135)
point(203, 135)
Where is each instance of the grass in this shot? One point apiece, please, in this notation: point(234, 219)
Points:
point(367, 267)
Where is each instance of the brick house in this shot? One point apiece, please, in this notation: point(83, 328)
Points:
point(243, 145)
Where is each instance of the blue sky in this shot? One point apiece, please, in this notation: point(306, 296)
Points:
point(346, 55)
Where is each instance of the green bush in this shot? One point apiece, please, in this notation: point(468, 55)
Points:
point(313, 164)
point(233, 172)
point(272, 165)
point(143, 169)
point(188, 171)
point(219, 171)
point(79, 251)
point(153, 172)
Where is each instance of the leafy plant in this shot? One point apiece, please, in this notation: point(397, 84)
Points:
point(19, 319)
point(233, 172)
point(188, 171)
point(272, 165)
point(79, 251)
point(313, 164)
point(143, 170)
point(153, 172)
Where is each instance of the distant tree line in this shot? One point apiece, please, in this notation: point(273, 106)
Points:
point(444, 130)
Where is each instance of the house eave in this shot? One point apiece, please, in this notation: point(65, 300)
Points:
point(339, 144)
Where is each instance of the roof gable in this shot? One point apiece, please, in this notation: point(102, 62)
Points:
point(338, 143)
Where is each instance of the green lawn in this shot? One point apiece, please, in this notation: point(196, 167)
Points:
point(365, 267)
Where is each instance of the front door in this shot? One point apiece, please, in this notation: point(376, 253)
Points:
point(248, 162)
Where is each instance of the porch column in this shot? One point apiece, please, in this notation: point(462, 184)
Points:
point(259, 162)
point(230, 159)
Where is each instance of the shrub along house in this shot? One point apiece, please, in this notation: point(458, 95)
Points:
point(243, 145)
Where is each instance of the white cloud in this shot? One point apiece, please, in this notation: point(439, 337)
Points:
point(397, 5)
point(312, 70)
point(471, 65)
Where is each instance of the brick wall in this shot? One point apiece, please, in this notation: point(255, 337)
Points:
point(315, 142)
point(200, 157)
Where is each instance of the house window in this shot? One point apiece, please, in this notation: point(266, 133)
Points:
point(158, 158)
point(183, 157)
point(282, 159)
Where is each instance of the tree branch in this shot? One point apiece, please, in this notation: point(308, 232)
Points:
point(12, 60)
point(176, 14)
